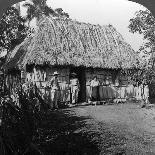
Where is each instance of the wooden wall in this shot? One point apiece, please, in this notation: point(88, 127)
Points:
point(40, 76)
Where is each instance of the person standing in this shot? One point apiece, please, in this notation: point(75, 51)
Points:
point(145, 94)
point(75, 88)
point(54, 84)
point(94, 86)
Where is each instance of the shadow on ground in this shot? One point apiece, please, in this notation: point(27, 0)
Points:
point(66, 132)
point(61, 134)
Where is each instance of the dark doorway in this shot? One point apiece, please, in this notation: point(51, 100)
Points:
point(152, 93)
point(80, 71)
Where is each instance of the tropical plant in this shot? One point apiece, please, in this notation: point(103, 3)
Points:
point(61, 13)
point(13, 30)
point(19, 125)
point(38, 8)
point(144, 23)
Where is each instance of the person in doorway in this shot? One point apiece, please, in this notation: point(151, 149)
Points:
point(54, 84)
point(94, 86)
point(75, 88)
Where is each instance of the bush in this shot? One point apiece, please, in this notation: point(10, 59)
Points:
point(20, 123)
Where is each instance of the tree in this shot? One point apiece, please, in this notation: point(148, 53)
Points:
point(144, 23)
point(13, 30)
point(38, 8)
point(60, 13)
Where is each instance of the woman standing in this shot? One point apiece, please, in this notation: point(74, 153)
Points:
point(94, 86)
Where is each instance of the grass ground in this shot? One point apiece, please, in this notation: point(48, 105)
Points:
point(99, 130)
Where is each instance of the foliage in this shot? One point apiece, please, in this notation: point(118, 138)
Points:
point(144, 24)
point(61, 13)
point(36, 9)
point(27, 129)
point(13, 31)
point(20, 124)
point(140, 75)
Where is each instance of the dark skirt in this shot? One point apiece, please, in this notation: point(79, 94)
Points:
point(95, 94)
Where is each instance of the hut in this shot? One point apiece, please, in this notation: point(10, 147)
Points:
point(66, 45)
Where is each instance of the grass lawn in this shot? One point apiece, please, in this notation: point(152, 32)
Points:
point(98, 130)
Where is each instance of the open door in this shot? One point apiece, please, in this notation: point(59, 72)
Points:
point(80, 71)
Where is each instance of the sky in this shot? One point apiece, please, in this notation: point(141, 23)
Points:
point(103, 12)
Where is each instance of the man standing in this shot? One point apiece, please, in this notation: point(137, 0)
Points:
point(54, 90)
point(75, 87)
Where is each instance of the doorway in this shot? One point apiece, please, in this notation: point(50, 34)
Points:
point(80, 71)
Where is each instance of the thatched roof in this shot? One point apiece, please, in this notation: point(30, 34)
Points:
point(68, 42)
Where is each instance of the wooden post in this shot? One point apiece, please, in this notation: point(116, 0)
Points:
point(70, 96)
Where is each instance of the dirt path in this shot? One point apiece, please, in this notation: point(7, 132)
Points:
point(122, 129)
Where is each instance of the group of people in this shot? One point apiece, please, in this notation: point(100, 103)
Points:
point(55, 88)
point(139, 92)
point(75, 88)
point(142, 92)
point(98, 93)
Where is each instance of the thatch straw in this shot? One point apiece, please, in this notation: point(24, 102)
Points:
point(68, 42)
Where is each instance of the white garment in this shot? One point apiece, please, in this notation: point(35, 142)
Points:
point(94, 83)
point(122, 91)
point(75, 87)
point(54, 84)
point(54, 98)
point(146, 93)
point(74, 81)
point(138, 93)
